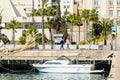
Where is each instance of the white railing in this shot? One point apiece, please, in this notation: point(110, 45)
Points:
point(92, 47)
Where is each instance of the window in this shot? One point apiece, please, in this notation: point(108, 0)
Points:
point(54, 1)
point(110, 2)
point(39, 1)
point(67, 1)
point(118, 13)
point(96, 2)
point(64, 1)
point(38, 5)
point(111, 13)
point(68, 6)
point(118, 2)
point(64, 6)
point(54, 6)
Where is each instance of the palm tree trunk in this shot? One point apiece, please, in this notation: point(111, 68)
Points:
point(43, 44)
point(105, 40)
point(77, 47)
point(71, 30)
point(13, 30)
point(51, 38)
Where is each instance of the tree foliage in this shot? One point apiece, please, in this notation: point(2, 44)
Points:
point(13, 24)
point(106, 29)
point(4, 38)
point(34, 33)
point(48, 11)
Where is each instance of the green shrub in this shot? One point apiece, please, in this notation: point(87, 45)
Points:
point(100, 39)
point(34, 32)
point(5, 39)
point(82, 42)
point(22, 39)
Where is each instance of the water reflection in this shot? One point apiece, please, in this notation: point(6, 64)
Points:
point(50, 76)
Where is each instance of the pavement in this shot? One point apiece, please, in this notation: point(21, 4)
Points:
point(115, 67)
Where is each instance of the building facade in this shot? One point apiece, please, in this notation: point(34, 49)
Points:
point(106, 8)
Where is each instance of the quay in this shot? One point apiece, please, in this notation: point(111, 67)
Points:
point(53, 54)
point(115, 67)
point(40, 55)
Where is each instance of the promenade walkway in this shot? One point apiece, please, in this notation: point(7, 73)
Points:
point(115, 67)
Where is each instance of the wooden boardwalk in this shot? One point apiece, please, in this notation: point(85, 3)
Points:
point(115, 67)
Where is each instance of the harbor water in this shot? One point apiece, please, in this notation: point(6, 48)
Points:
point(50, 76)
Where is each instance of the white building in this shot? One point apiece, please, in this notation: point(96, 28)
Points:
point(67, 5)
point(29, 4)
point(106, 8)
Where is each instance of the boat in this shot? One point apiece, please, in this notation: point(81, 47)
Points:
point(65, 66)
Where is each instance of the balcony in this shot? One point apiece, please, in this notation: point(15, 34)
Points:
point(111, 6)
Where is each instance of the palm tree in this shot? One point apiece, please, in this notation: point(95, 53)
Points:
point(93, 17)
point(78, 22)
point(50, 24)
point(49, 11)
point(63, 28)
point(97, 32)
point(86, 15)
point(58, 16)
point(71, 19)
point(34, 12)
point(106, 29)
point(13, 24)
point(43, 4)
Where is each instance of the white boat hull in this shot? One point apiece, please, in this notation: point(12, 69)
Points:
point(66, 68)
